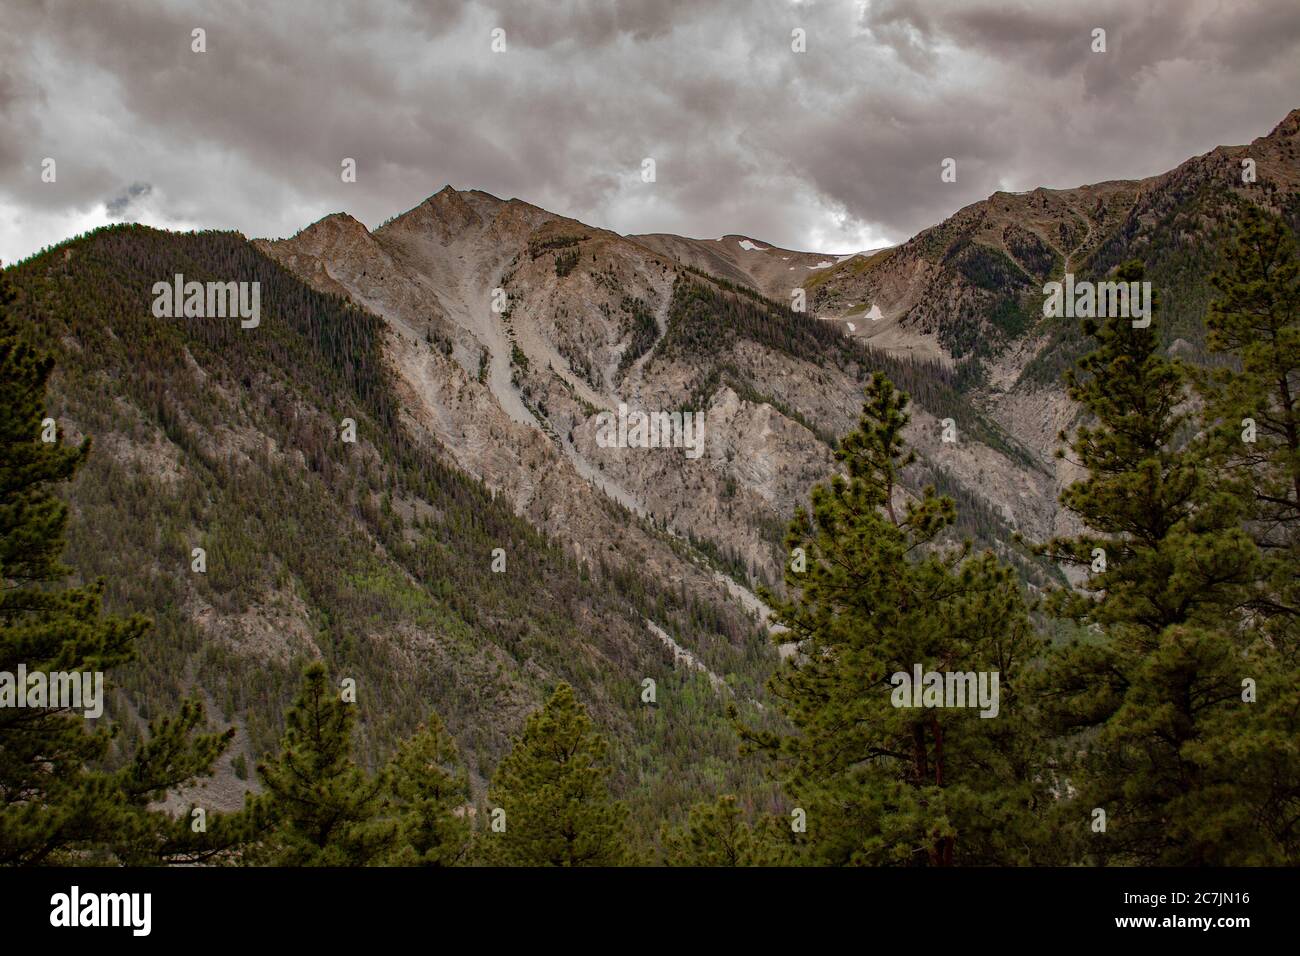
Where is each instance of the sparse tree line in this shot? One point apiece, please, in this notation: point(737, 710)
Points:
point(1163, 728)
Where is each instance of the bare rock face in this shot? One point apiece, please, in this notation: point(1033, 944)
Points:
point(773, 271)
point(514, 329)
point(431, 273)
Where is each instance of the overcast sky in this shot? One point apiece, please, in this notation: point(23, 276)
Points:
point(834, 149)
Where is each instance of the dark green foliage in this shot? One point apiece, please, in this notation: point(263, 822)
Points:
point(1157, 697)
point(879, 783)
point(540, 247)
point(1150, 504)
point(704, 322)
point(55, 806)
point(320, 808)
point(565, 261)
point(1033, 255)
point(553, 787)
point(324, 809)
point(715, 834)
point(1181, 246)
point(996, 288)
point(1180, 250)
point(430, 795)
point(640, 325)
point(1010, 316)
point(985, 268)
point(1255, 320)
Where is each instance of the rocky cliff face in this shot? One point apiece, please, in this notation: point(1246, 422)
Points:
point(539, 324)
point(514, 393)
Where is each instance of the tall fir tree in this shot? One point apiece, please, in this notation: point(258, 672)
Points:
point(880, 593)
point(1168, 569)
point(554, 789)
point(59, 804)
point(324, 809)
point(1251, 419)
point(430, 798)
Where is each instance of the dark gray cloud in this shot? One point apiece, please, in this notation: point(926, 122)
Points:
point(117, 206)
point(833, 149)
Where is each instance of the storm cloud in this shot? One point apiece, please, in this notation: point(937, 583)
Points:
point(834, 149)
point(117, 207)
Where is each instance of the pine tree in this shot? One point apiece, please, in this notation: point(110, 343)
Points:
point(430, 794)
point(1163, 529)
point(880, 594)
point(1251, 419)
point(1160, 670)
point(553, 787)
point(326, 811)
point(1252, 408)
point(715, 834)
point(54, 807)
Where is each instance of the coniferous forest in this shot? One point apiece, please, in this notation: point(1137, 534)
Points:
point(637, 472)
point(1148, 708)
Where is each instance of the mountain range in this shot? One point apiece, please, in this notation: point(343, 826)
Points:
point(477, 542)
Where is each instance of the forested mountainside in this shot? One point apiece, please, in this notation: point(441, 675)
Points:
point(479, 545)
point(375, 556)
point(968, 292)
point(973, 283)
